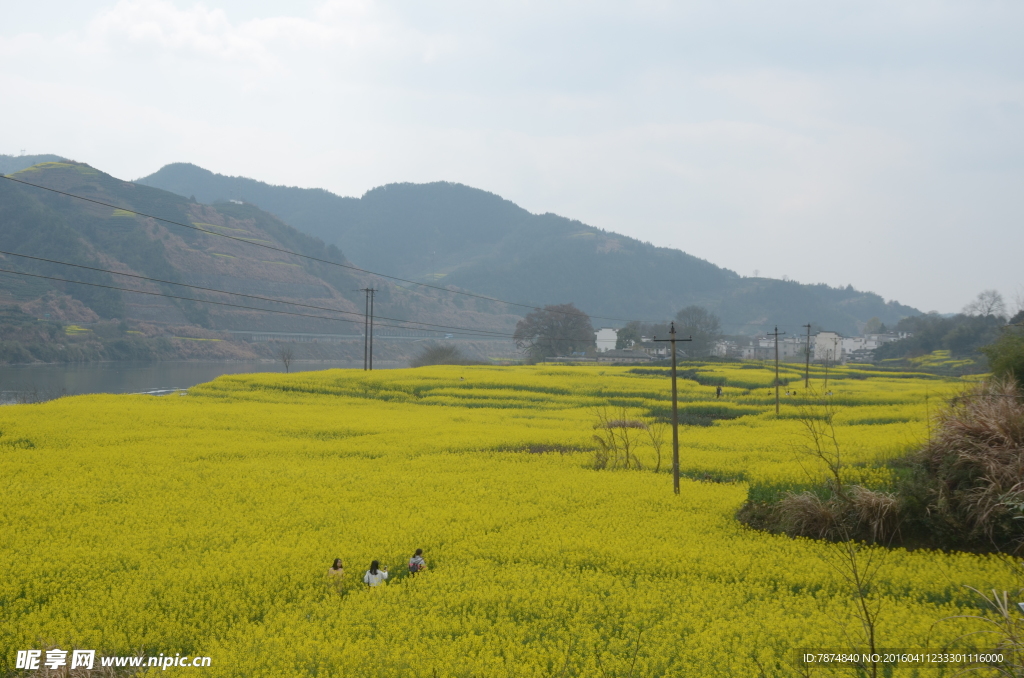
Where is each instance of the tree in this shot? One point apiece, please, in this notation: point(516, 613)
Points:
point(875, 326)
point(286, 354)
point(635, 330)
point(988, 302)
point(1006, 355)
point(962, 335)
point(553, 331)
point(700, 324)
point(628, 335)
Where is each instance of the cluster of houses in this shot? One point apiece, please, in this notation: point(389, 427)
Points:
point(824, 347)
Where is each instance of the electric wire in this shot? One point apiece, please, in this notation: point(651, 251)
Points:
point(253, 296)
point(221, 303)
point(303, 256)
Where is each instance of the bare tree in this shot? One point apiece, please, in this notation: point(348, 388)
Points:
point(617, 434)
point(859, 564)
point(820, 430)
point(286, 354)
point(988, 302)
point(656, 432)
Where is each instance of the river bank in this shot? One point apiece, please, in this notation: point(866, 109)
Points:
point(38, 382)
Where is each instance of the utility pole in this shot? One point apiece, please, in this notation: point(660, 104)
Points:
point(776, 334)
point(675, 408)
point(371, 328)
point(368, 329)
point(807, 351)
point(828, 356)
point(831, 356)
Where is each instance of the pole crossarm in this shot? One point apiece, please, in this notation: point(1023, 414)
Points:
point(675, 407)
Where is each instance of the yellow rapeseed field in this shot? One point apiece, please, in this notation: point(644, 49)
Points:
point(204, 524)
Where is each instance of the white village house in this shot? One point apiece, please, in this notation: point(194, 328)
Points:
point(825, 346)
point(606, 337)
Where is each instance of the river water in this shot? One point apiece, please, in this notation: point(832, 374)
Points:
point(34, 383)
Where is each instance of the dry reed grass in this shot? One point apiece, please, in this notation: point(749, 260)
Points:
point(860, 514)
point(976, 458)
point(807, 515)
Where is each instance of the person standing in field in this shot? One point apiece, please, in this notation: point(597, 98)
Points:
point(417, 563)
point(375, 575)
point(718, 392)
point(336, 574)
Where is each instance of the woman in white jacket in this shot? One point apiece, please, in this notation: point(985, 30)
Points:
point(375, 575)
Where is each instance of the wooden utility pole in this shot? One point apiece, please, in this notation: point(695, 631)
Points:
point(807, 351)
point(776, 334)
point(371, 328)
point(675, 408)
point(368, 329)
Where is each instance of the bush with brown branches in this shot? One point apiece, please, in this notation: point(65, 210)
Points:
point(963, 490)
point(974, 465)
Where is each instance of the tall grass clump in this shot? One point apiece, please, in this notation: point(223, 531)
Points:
point(973, 465)
point(962, 489)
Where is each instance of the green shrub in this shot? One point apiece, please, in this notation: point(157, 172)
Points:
point(1006, 355)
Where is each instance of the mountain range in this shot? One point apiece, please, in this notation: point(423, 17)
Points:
point(444, 234)
point(455, 235)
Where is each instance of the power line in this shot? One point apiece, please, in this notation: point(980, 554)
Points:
point(368, 330)
point(248, 296)
point(296, 254)
point(224, 303)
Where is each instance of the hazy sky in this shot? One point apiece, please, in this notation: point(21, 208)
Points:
point(873, 143)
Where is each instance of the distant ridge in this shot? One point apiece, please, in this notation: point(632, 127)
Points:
point(457, 235)
point(9, 164)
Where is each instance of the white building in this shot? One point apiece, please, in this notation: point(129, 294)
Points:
point(763, 348)
point(828, 346)
point(606, 337)
point(724, 348)
point(861, 349)
point(656, 349)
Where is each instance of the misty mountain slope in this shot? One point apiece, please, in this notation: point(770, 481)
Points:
point(450, 222)
point(9, 164)
point(44, 224)
point(312, 210)
point(475, 240)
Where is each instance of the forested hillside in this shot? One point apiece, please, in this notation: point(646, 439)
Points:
point(476, 240)
point(61, 228)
